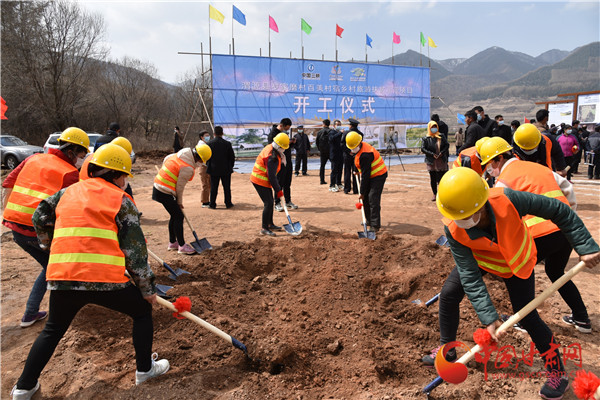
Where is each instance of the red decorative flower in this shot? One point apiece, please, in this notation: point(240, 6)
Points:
point(182, 304)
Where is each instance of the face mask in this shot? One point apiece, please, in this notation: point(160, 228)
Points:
point(468, 223)
point(79, 163)
point(434, 130)
point(500, 122)
point(495, 172)
point(355, 150)
point(479, 117)
point(512, 130)
point(300, 130)
point(204, 138)
point(569, 131)
point(529, 152)
point(125, 183)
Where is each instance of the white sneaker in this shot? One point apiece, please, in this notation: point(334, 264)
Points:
point(158, 368)
point(22, 394)
point(333, 189)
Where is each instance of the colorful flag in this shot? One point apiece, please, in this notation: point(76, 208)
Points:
point(273, 24)
point(431, 42)
point(396, 38)
point(422, 39)
point(239, 16)
point(305, 26)
point(338, 30)
point(369, 41)
point(526, 120)
point(3, 108)
point(460, 118)
point(215, 14)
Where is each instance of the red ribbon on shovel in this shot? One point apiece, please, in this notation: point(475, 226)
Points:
point(182, 304)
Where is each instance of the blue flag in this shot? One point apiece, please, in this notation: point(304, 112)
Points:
point(369, 41)
point(239, 16)
point(460, 118)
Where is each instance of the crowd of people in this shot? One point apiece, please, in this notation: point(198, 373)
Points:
point(98, 255)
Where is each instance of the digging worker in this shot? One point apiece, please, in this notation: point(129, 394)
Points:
point(285, 173)
point(373, 174)
point(486, 234)
point(349, 183)
point(531, 145)
point(177, 170)
point(36, 178)
point(93, 231)
point(264, 178)
point(470, 158)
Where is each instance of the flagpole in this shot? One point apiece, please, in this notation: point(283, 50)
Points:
point(269, 36)
point(428, 54)
point(209, 41)
point(301, 39)
point(336, 52)
point(232, 39)
point(366, 56)
point(420, 55)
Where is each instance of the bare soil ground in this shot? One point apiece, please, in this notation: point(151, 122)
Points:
point(329, 316)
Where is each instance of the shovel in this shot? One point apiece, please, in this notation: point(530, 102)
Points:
point(161, 290)
point(228, 338)
point(522, 313)
point(199, 244)
point(442, 241)
point(173, 274)
point(428, 302)
point(365, 234)
point(293, 228)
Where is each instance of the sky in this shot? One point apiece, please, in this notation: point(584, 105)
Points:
point(156, 31)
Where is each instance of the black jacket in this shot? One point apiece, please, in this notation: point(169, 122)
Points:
point(429, 148)
point(223, 158)
point(487, 125)
point(473, 133)
point(302, 144)
point(443, 129)
point(287, 152)
point(335, 145)
point(558, 158)
point(323, 140)
point(504, 132)
point(106, 138)
point(593, 142)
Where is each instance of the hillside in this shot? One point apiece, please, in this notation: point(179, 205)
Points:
point(413, 59)
point(498, 63)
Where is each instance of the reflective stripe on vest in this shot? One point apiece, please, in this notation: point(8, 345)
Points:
point(168, 175)
point(534, 178)
point(259, 174)
point(514, 254)
point(85, 246)
point(40, 178)
point(377, 166)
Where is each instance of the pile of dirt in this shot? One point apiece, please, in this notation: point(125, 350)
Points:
point(316, 325)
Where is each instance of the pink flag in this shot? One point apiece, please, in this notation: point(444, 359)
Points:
point(3, 108)
point(396, 38)
point(273, 24)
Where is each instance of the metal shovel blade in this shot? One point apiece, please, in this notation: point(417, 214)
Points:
point(200, 245)
point(162, 290)
point(178, 272)
point(367, 235)
point(442, 241)
point(295, 228)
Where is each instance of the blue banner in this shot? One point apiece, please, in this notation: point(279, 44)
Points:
point(254, 91)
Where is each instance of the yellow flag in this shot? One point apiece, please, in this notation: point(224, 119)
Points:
point(431, 42)
point(215, 14)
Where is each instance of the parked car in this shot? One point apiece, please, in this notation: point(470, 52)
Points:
point(15, 150)
point(52, 143)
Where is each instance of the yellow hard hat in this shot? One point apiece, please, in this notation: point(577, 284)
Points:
point(124, 143)
point(114, 157)
point(353, 139)
point(204, 151)
point(75, 136)
point(461, 193)
point(480, 142)
point(492, 148)
point(527, 137)
point(282, 140)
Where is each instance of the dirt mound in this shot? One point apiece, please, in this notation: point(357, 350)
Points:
point(315, 325)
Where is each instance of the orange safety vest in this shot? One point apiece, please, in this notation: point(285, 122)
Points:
point(533, 178)
point(169, 173)
point(259, 174)
point(85, 247)
point(470, 159)
point(83, 172)
point(548, 148)
point(377, 166)
point(40, 178)
point(514, 254)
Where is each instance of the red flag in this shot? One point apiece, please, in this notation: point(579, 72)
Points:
point(273, 24)
point(3, 108)
point(338, 30)
point(396, 38)
point(526, 120)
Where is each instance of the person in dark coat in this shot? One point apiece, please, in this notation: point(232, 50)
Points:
point(220, 167)
point(484, 121)
point(349, 183)
point(336, 156)
point(435, 148)
point(593, 145)
point(285, 174)
point(114, 130)
point(473, 133)
point(177, 140)
point(502, 130)
point(442, 126)
point(302, 147)
point(323, 146)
